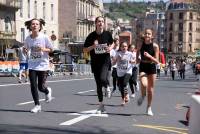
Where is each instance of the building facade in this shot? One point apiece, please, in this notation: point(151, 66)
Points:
point(183, 29)
point(46, 10)
point(156, 21)
point(7, 24)
point(76, 18)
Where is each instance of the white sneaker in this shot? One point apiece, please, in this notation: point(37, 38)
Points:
point(149, 111)
point(36, 109)
point(137, 87)
point(48, 96)
point(132, 95)
point(101, 109)
point(140, 100)
point(108, 92)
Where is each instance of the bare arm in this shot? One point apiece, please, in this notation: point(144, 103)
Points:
point(88, 49)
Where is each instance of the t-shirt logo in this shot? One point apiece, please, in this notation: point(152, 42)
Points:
point(100, 48)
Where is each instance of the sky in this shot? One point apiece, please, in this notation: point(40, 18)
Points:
point(106, 1)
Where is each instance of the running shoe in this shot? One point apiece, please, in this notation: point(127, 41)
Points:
point(140, 101)
point(108, 92)
point(149, 111)
point(101, 109)
point(137, 87)
point(123, 102)
point(36, 109)
point(48, 96)
point(133, 95)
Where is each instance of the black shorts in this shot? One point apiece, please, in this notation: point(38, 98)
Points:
point(148, 68)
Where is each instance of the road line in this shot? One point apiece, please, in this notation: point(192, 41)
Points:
point(75, 120)
point(85, 91)
point(29, 102)
point(168, 129)
point(82, 116)
point(7, 85)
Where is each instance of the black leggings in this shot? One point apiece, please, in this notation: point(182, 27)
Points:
point(133, 80)
point(37, 80)
point(101, 77)
point(123, 83)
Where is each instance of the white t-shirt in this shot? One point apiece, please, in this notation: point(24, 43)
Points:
point(123, 65)
point(113, 53)
point(38, 60)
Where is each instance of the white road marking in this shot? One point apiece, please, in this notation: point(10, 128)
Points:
point(82, 92)
point(83, 115)
point(7, 85)
point(29, 102)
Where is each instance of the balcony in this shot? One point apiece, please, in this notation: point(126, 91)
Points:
point(10, 4)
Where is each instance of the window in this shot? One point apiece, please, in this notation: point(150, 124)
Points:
point(170, 37)
point(52, 11)
point(170, 48)
point(28, 8)
point(44, 10)
point(35, 9)
point(180, 37)
point(190, 26)
point(171, 27)
point(171, 16)
point(22, 34)
point(21, 8)
point(191, 16)
point(180, 16)
point(190, 37)
point(180, 26)
point(8, 25)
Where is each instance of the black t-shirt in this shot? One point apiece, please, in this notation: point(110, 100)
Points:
point(98, 56)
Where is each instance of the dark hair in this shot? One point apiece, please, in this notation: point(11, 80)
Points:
point(98, 18)
point(28, 23)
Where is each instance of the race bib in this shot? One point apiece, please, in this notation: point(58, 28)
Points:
point(100, 49)
point(123, 65)
point(35, 54)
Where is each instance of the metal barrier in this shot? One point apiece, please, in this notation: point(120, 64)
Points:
point(70, 69)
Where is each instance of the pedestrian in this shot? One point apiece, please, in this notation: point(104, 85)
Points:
point(158, 70)
point(166, 69)
point(133, 84)
point(114, 66)
point(173, 69)
point(124, 60)
point(39, 47)
point(23, 63)
point(149, 52)
point(99, 43)
point(182, 69)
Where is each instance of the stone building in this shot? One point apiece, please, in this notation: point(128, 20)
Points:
point(45, 9)
point(7, 24)
point(183, 29)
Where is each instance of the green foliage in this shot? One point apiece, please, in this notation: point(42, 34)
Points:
point(126, 10)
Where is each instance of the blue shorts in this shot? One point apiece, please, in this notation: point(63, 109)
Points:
point(23, 66)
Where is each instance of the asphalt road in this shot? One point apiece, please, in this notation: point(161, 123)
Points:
point(72, 111)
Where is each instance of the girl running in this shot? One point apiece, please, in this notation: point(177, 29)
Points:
point(149, 52)
point(124, 60)
point(38, 46)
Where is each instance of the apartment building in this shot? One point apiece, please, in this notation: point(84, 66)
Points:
point(7, 24)
point(76, 18)
point(156, 21)
point(183, 29)
point(44, 9)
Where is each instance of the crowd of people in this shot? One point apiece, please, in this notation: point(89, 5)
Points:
point(110, 59)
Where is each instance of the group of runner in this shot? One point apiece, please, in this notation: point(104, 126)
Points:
point(104, 53)
point(104, 56)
